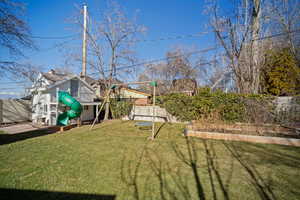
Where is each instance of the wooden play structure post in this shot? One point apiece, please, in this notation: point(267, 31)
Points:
point(106, 99)
point(154, 84)
point(57, 102)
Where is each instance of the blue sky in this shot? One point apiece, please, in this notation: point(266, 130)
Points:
point(163, 18)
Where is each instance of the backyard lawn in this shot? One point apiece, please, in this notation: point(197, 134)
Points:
point(116, 160)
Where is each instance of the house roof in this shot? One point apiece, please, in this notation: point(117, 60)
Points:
point(104, 81)
point(73, 77)
point(136, 91)
point(90, 80)
point(54, 76)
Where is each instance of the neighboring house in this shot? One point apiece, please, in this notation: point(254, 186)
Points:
point(124, 93)
point(121, 92)
point(45, 107)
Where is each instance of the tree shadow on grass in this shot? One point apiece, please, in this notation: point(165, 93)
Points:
point(169, 181)
point(270, 154)
point(16, 194)
point(262, 186)
point(214, 171)
point(11, 138)
point(158, 130)
point(130, 172)
point(197, 175)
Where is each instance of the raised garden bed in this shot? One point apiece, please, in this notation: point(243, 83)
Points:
point(260, 133)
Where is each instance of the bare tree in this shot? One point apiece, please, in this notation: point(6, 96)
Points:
point(178, 65)
point(111, 41)
point(238, 34)
point(14, 35)
point(284, 17)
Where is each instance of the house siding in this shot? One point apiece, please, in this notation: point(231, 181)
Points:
point(85, 94)
point(141, 102)
point(131, 94)
point(87, 115)
point(65, 86)
point(45, 102)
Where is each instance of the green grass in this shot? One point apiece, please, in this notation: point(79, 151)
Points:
point(117, 159)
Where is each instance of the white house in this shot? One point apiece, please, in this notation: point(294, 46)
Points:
point(45, 106)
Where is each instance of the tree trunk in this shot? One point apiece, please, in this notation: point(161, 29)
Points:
point(255, 46)
point(112, 70)
point(106, 115)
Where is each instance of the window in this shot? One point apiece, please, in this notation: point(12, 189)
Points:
point(86, 107)
point(74, 87)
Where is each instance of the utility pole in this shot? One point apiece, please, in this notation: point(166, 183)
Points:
point(83, 73)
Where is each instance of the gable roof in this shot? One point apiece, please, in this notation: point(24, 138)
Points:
point(73, 77)
point(54, 76)
point(135, 91)
point(90, 80)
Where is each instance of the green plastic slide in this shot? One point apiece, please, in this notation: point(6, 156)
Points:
point(73, 104)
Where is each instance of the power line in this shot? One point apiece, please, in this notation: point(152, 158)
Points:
point(278, 34)
point(51, 48)
point(177, 37)
point(54, 37)
point(205, 50)
point(158, 39)
point(13, 82)
point(162, 59)
point(195, 52)
point(10, 88)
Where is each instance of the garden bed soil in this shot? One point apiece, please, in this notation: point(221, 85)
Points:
point(271, 130)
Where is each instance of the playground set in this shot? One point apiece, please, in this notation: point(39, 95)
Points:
point(75, 108)
point(73, 104)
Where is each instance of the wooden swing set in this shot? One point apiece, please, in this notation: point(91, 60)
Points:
point(107, 97)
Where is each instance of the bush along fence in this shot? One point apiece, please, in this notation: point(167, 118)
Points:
point(217, 106)
point(213, 106)
point(120, 109)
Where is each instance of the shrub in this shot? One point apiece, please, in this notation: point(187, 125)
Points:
point(120, 108)
point(217, 105)
point(179, 105)
point(280, 73)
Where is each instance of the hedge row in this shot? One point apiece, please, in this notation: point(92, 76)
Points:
point(120, 109)
point(217, 105)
